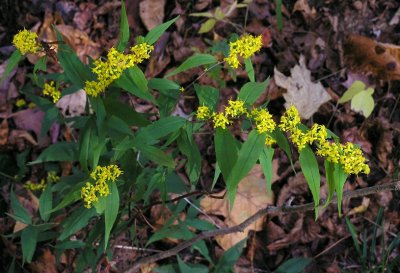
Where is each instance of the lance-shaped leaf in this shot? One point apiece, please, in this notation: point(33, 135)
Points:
point(309, 166)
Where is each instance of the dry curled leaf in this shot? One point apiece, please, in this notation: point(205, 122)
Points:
point(152, 12)
point(371, 57)
point(301, 91)
point(73, 105)
point(251, 196)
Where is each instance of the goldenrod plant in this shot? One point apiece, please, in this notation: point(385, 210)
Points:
point(116, 169)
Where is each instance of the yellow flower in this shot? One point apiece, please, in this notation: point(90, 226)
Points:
point(203, 113)
point(94, 88)
point(88, 194)
point(220, 121)
point(244, 47)
point(299, 138)
point(352, 159)
point(20, 103)
point(269, 140)
point(26, 42)
point(101, 175)
point(182, 89)
point(263, 120)
point(34, 186)
point(110, 70)
point(31, 105)
point(349, 156)
point(235, 108)
point(51, 91)
point(52, 177)
point(317, 133)
point(141, 52)
point(290, 119)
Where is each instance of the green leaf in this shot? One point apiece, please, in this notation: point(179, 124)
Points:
point(249, 69)
point(226, 151)
point(219, 14)
point(159, 129)
point(309, 166)
point(20, 213)
point(363, 102)
point(75, 71)
point(111, 212)
point(169, 95)
point(354, 236)
point(202, 14)
point(228, 260)
point(45, 203)
point(330, 180)
point(134, 82)
point(123, 29)
point(266, 157)
point(15, 58)
point(50, 116)
point(157, 31)
point(73, 195)
point(87, 135)
point(216, 176)
point(279, 17)
point(248, 155)
point(283, 143)
point(188, 147)
point(207, 25)
point(353, 90)
point(99, 108)
point(194, 61)
point(163, 84)
point(117, 128)
point(294, 265)
point(339, 177)
point(208, 96)
point(125, 112)
point(28, 242)
point(77, 220)
point(39, 65)
point(156, 155)
point(250, 92)
point(189, 267)
point(60, 151)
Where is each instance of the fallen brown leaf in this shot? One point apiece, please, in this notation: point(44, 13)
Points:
point(306, 95)
point(251, 196)
point(152, 12)
point(46, 263)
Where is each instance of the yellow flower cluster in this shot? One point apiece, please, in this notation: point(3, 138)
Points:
point(52, 177)
point(244, 47)
point(29, 185)
point(235, 109)
point(20, 103)
point(262, 118)
point(90, 193)
point(264, 124)
point(203, 113)
point(51, 91)
point(220, 120)
point(26, 42)
point(349, 156)
point(110, 70)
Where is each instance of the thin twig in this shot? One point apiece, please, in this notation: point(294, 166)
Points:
point(255, 217)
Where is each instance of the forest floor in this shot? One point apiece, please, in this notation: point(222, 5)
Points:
point(337, 42)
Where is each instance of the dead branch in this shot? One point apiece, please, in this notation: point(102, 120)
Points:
point(265, 211)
